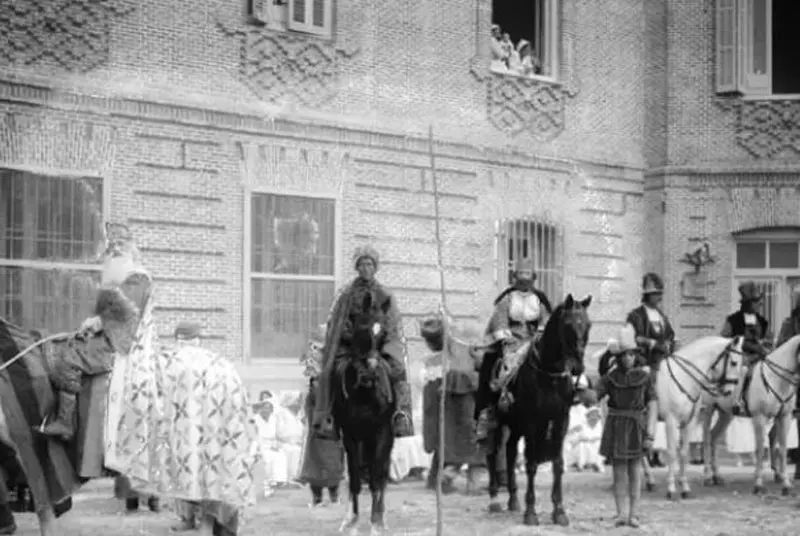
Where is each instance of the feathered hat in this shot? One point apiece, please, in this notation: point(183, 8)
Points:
point(748, 292)
point(366, 252)
point(627, 338)
point(652, 284)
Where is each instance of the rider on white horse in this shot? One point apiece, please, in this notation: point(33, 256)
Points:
point(755, 328)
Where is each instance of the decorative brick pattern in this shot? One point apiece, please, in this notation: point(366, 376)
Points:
point(73, 33)
point(291, 68)
point(768, 128)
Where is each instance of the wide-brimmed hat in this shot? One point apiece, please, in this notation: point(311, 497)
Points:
point(652, 284)
point(748, 292)
point(186, 330)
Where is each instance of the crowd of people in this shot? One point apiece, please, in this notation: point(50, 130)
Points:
point(519, 59)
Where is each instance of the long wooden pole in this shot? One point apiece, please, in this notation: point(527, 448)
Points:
point(446, 333)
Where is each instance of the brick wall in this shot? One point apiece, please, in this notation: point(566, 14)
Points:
point(193, 131)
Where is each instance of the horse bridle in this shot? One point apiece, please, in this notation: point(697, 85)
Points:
point(706, 383)
point(789, 376)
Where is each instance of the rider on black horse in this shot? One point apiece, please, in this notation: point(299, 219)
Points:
point(339, 339)
point(519, 313)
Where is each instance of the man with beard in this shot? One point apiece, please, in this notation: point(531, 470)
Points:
point(339, 336)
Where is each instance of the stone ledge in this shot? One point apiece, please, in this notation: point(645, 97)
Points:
point(117, 99)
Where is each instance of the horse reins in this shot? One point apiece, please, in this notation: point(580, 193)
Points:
point(33, 346)
point(783, 373)
point(693, 371)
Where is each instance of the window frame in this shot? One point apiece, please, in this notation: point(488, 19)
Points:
point(69, 175)
point(503, 264)
point(279, 17)
point(552, 37)
point(742, 79)
point(248, 274)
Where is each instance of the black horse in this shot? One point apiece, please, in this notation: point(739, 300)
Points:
point(363, 406)
point(543, 392)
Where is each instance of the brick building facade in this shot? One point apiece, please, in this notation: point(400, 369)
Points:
point(252, 146)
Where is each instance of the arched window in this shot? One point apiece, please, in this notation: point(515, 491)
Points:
point(770, 258)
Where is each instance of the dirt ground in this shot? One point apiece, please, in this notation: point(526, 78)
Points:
point(731, 510)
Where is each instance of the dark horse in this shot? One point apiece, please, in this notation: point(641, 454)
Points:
point(363, 406)
point(543, 392)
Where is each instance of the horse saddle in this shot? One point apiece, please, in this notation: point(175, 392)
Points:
point(508, 366)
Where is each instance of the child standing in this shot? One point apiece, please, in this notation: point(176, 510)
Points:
point(630, 426)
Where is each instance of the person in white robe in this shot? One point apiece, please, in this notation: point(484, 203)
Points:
point(281, 437)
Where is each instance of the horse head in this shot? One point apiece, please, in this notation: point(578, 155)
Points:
point(369, 331)
point(566, 336)
point(726, 369)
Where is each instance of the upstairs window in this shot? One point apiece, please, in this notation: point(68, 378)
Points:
point(312, 17)
point(757, 47)
point(524, 39)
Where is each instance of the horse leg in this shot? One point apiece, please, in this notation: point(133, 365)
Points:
point(782, 424)
point(759, 426)
point(47, 522)
point(673, 438)
point(494, 480)
point(512, 448)
point(557, 493)
point(530, 518)
point(683, 458)
point(649, 479)
point(715, 435)
point(350, 521)
point(378, 478)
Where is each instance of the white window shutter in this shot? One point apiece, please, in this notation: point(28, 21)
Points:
point(727, 41)
point(755, 36)
point(311, 16)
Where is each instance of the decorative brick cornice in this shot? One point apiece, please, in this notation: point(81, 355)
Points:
point(72, 33)
point(765, 128)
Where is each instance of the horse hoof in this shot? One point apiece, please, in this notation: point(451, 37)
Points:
point(350, 525)
point(708, 482)
point(718, 480)
point(778, 479)
point(495, 508)
point(672, 496)
point(686, 495)
point(560, 518)
point(785, 491)
point(759, 490)
point(530, 519)
point(513, 504)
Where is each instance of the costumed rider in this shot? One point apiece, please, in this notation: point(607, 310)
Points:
point(747, 323)
point(338, 338)
point(519, 315)
point(124, 291)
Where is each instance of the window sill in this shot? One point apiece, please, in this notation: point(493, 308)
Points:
point(787, 97)
point(518, 76)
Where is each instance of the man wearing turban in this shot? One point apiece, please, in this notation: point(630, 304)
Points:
point(338, 339)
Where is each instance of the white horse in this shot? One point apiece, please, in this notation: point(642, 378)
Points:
point(769, 397)
point(706, 365)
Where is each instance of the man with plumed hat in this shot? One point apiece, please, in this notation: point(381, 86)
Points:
point(520, 311)
point(750, 324)
point(338, 338)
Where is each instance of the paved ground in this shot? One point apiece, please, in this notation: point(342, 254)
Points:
point(732, 510)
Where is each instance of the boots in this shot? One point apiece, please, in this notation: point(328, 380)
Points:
point(63, 426)
point(403, 425)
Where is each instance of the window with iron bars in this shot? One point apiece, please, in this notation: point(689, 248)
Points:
point(530, 239)
point(51, 229)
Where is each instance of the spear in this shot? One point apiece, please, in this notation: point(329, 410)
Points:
point(446, 331)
